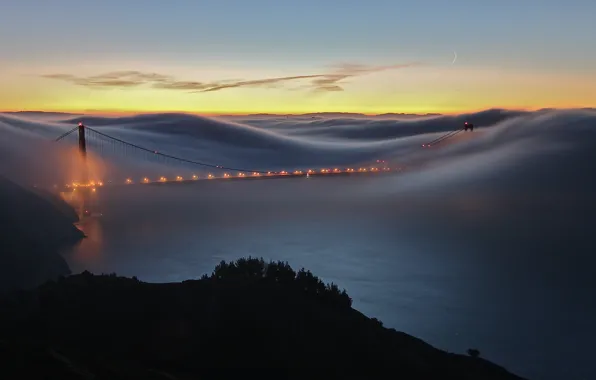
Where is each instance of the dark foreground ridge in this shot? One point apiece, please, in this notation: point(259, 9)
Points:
point(247, 314)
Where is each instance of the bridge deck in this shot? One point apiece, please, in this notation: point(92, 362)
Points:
point(275, 176)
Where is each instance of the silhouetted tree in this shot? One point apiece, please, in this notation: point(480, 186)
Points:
point(223, 271)
point(280, 272)
point(307, 281)
point(473, 352)
point(346, 299)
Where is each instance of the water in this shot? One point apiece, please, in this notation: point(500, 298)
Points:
point(490, 245)
point(511, 276)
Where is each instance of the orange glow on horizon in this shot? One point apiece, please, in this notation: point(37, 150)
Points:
point(450, 112)
point(421, 90)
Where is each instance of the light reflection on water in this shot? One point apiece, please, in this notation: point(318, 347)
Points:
point(457, 271)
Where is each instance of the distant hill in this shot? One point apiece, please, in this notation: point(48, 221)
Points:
point(339, 115)
point(32, 229)
point(334, 114)
point(246, 315)
point(314, 114)
point(40, 113)
point(396, 115)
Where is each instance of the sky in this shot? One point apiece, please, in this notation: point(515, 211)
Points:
point(268, 56)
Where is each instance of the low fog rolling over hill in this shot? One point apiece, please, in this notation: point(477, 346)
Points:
point(550, 139)
point(485, 239)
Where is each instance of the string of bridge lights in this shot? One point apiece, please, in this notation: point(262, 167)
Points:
point(93, 185)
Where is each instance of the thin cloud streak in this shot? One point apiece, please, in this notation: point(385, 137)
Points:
point(258, 82)
point(327, 82)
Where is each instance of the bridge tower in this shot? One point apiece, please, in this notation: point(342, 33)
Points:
point(85, 192)
point(82, 141)
point(83, 153)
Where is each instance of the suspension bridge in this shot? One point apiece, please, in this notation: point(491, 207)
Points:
point(105, 145)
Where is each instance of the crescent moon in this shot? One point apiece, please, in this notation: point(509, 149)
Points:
point(454, 57)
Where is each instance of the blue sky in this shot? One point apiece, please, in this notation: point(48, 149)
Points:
point(548, 36)
point(530, 31)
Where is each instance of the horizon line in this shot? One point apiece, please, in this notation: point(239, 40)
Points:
point(116, 112)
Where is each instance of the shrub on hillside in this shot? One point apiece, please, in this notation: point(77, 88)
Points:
point(256, 269)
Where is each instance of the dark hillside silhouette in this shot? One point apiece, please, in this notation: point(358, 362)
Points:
point(32, 229)
point(246, 314)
